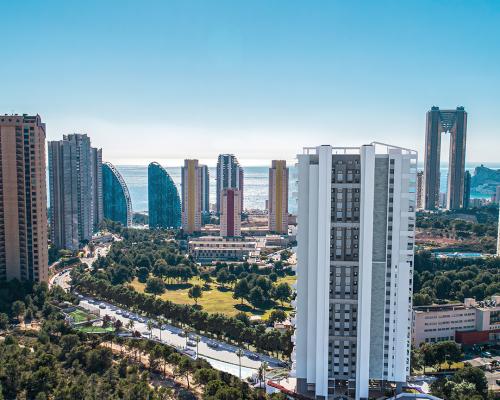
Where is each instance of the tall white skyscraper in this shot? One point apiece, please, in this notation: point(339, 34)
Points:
point(229, 176)
point(356, 232)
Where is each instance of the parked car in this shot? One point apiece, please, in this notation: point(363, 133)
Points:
point(190, 343)
point(213, 345)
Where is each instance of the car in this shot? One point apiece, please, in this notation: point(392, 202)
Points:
point(102, 306)
point(164, 327)
point(142, 320)
point(253, 356)
point(119, 312)
point(213, 345)
point(181, 334)
point(190, 343)
point(145, 334)
point(126, 315)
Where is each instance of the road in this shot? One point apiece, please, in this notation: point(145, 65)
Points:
point(223, 357)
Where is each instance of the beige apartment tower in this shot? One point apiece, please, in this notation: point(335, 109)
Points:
point(278, 197)
point(191, 185)
point(23, 199)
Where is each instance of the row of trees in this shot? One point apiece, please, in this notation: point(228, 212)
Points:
point(436, 280)
point(217, 385)
point(238, 329)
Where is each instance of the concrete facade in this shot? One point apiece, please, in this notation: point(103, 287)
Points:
point(75, 179)
point(23, 199)
point(356, 222)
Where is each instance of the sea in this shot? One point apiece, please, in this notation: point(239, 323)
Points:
point(255, 189)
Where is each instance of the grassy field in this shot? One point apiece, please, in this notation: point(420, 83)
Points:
point(95, 329)
point(79, 316)
point(215, 299)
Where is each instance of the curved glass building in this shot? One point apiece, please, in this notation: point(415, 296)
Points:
point(116, 198)
point(163, 199)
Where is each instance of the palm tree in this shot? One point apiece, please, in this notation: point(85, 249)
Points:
point(130, 325)
point(150, 325)
point(187, 331)
point(240, 354)
point(161, 322)
point(197, 339)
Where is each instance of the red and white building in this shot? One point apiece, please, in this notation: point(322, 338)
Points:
point(230, 217)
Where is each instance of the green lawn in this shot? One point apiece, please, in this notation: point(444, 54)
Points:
point(79, 316)
point(215, 299)
point(95, 329)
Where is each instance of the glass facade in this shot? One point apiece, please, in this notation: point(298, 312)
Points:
point(116, 198)
point(163, 199)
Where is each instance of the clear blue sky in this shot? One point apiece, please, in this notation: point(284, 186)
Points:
point(166, 80)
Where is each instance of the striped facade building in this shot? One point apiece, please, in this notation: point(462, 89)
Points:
point(192, 196)
point(278, 197)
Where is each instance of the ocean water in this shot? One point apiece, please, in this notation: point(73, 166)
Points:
point(255, 189)
point(255, 186)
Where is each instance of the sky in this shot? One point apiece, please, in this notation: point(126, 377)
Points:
point(167, 80)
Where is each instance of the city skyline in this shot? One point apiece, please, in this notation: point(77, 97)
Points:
point(303, 77)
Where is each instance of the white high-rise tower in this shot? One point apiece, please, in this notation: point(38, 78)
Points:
point(356, 221)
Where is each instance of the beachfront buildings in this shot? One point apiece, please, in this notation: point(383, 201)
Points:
point(117, 204)
point(229, 176)
point(164, 205)
point(356, 229)
point(23, 199)
point(192, 196)
point(230, 215)
point(278, 197)
point(468, 323)
point(75, 193)
point(438, 122)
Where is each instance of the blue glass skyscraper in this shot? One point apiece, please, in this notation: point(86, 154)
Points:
point(116, 198)
point(163, 199)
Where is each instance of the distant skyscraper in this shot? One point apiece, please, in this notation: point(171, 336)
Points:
point(205, 189)
point(467, 182)
point(97, 205)
point(117, 205)
point(356, 228)
point(163, 199)
point(75, 205)
point(23, 199)
point(229, 175)
point(278, 197)
point(230, 217)
point(454, 122)
point(192, 196)
point(497, 195)
point(420, 190)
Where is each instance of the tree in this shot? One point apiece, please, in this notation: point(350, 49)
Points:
point(4, 321)
point(185, 367)
point(283, 292)
point(277, 316)
point(142, 274)
point(241, 290)
point(475, 376)
point(18, 309)
point(256, 297)
point(205, 277)
point(422, 299)
point(155, 285)
point(222, 277)
point(195, 293)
